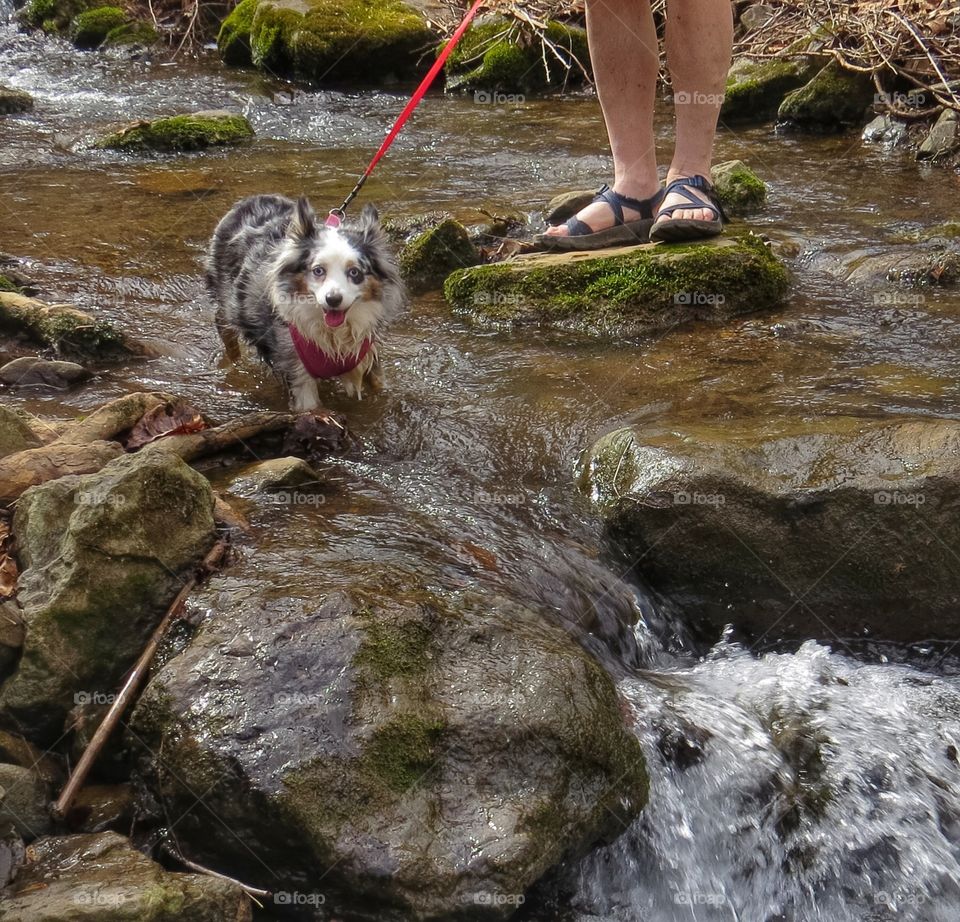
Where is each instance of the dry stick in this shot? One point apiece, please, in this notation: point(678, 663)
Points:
point(252, 892)
point(130, 687)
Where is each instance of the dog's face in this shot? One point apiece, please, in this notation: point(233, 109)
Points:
point(335, 284)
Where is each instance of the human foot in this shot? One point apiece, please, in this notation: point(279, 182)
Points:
point(611, 219)
point(690, 209)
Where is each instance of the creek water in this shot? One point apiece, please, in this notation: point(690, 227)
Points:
point(818, 783)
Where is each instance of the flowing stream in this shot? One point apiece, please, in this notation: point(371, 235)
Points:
point(818, 783)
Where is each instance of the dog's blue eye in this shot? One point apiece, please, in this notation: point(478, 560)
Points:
point(319, 271)
point(355, 275)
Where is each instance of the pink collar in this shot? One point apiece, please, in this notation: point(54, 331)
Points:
point(318, 363)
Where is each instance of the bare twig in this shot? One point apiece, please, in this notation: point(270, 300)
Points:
point(132, 684)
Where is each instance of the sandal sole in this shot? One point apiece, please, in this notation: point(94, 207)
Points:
point(631, 233)
point(684, 229)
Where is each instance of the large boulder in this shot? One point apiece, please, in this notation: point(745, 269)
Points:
point(817, 528)
point(103, 555)
point(624, 291)
point(327, 40)
point(393, 758)
point(832, 100)
point(101, 877)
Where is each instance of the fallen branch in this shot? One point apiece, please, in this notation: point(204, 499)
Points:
point(219, 438)
point(133, 683)
point(174, 852)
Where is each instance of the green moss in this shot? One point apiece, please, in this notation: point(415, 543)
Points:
point(503, 56)
point(133, 33)
point(739, 189)
point(8, 285)
point(89, 29)
point(55, 15)
point(180, 133)
point(402, 752)
point(233, 40)
point(428, 259)
point(640, 290)
point(69, 332)
point(326, 40)
point(755, 89)
point(833, 99)
point(393, 649)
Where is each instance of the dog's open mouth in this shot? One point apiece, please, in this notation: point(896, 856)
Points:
point(334, 317)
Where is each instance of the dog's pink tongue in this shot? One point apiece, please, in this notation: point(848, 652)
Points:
point(334, 318)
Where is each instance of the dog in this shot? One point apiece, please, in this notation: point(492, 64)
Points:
point(313, 300)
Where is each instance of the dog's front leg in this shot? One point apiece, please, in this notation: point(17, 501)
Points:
point(304, 393)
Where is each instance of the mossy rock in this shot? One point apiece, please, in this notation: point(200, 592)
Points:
point(500, 56)
point(755, 89)
point(430, 257)
point(180, 133)
point(832, 100)
point(627, 291)
point(463, 742)
point(13, 102)
point(327, 41)
point(66, 330)
point(133, 33)
point(739, 189)
point(103, 555)
point(101, 877)
point(7, 284)
point(233, 41)
point(55, 15)
point(90, 28)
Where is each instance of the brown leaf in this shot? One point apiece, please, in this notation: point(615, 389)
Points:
point(179, 418)
point(482, 556)
point(8, 563)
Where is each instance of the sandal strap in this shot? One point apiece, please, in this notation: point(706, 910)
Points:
point(682, 187)
point(616, 203)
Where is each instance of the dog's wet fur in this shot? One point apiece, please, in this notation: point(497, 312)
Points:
point(271, 263)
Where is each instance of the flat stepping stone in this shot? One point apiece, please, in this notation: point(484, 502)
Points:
point(623, 291)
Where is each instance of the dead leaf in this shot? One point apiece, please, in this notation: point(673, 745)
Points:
point(179, 418)
point(482, 556)
point(8, 564)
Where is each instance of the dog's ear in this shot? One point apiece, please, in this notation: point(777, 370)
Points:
point(304, 222)
point(369, 226)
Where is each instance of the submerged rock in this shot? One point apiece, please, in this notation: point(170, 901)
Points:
point(834, 99)
point(739, 189)
point(396, 756)
point(500, 57)
point(819, 528)
point(755, 89)
point(101, 877)
point(63, 328)
point(623, 291)
point(885, 129)
point(274, 476)
point(431, 256)
point(195, 131)
point(31, 371)
point(12, 101)
point(103, 556)
point(327, 40)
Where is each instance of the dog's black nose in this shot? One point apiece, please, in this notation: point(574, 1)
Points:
point(334, 298)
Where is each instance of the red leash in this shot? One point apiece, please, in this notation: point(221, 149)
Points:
point(336, 214)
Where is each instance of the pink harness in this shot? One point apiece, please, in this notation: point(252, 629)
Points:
point(318, 362)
